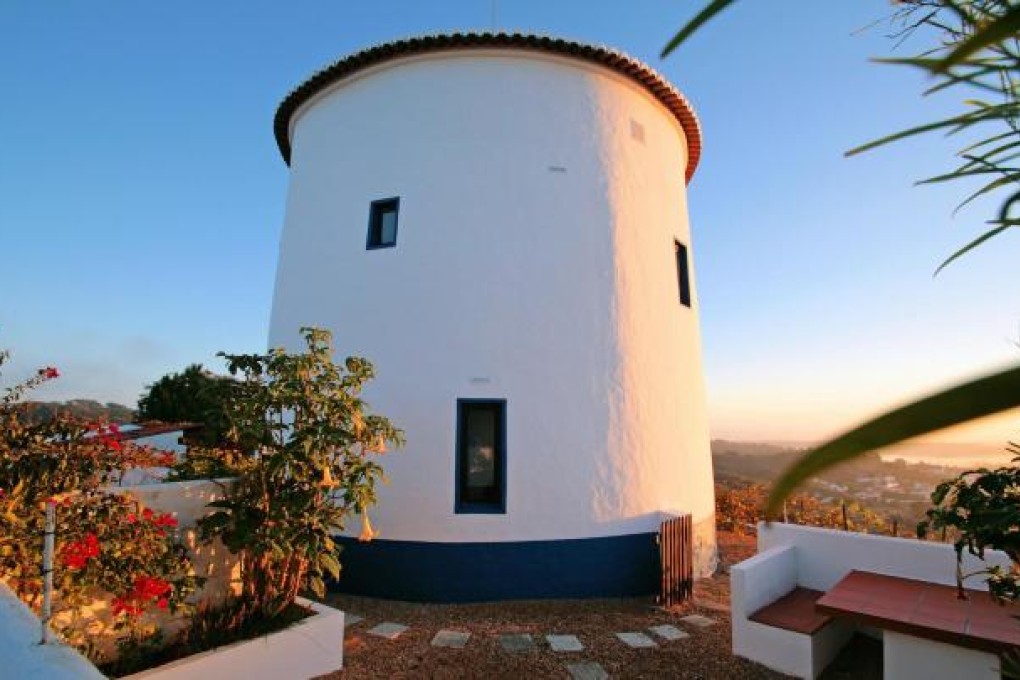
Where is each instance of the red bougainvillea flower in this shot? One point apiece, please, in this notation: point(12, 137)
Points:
point(166, 459)
point(131, 518)
point(147, 513)
point(147, 589)
point(49, 372)
point(165, 520)
point(76, 554)
point(150, 588)
point(124, 605)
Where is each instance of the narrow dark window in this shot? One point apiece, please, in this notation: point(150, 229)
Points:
point(481, 456)
point(683, 274)
point(382, 223)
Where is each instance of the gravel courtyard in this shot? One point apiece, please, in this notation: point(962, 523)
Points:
point(703, 654)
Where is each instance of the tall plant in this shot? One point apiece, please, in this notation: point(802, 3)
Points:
point(314, 447)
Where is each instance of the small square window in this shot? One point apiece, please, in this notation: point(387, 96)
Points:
point(682, 274)
point(382, 223)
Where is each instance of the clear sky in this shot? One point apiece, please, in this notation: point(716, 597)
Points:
point(142, 194)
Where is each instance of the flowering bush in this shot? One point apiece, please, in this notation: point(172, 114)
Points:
point(313, 467)
point(105, 543)
point(982, 509)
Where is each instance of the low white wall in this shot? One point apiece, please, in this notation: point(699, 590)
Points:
point(22, 656)
point(763, 579)
point(184, 500)
point(311, 647)
point(824, 556)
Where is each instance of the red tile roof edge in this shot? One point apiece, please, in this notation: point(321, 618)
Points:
point(615, 60)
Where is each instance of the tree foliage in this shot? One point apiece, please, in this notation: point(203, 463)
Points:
point(314, 464)
point(191, 396)
point(982, 508)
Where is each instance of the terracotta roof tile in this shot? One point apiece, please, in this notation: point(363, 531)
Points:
point(639, 72)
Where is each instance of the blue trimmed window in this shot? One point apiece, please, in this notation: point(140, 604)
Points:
point(382, 223)
point(682, 273)
point(481, 456)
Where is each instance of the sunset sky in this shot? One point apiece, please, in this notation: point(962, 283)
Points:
point(142, 194)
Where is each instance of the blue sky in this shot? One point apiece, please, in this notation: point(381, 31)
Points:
point(142, 194)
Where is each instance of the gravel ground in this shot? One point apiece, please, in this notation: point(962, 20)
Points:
point(705, 654)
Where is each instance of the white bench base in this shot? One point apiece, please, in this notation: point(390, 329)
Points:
point(906, 657)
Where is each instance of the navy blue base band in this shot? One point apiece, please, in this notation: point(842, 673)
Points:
point(613, 566)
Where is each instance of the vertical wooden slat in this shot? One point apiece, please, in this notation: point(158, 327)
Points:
point(676, 558)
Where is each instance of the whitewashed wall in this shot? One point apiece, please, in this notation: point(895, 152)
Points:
point(534, 262)
point(824, 556)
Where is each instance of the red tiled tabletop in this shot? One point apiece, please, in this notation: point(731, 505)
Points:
point(922, 609)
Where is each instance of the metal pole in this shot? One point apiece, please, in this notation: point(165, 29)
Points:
point(47, 569)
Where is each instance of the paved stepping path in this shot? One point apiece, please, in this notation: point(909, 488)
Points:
point(636, 640)
point(564, 643)
point(668, 632)
point(516, 642)
point(450, 638)
point(351, 619)
point(588, 670)
point(388, 630)
point(698, 620)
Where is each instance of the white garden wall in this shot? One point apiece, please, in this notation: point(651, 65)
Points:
point(824, 556)
point(21, 655)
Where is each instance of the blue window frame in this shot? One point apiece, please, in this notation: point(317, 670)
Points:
point(481, 456)
point(382, 223)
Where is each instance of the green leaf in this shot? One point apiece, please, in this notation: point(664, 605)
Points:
point(1002, 28)
point(701, 18)
point(975, 399)
point(972, 245)
point(330, 564)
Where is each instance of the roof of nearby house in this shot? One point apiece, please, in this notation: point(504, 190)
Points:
point(153, 428)
point(636, 70)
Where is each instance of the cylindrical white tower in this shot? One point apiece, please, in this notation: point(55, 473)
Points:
point(499, 223)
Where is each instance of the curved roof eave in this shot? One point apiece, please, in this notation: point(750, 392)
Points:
point(634, 69)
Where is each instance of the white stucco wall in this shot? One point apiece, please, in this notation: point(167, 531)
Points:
point(534, 263)
point(825, 556)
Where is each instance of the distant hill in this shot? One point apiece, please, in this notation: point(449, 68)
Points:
point(721, 446)
point(88, 409)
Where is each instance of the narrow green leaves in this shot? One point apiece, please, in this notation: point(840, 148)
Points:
point(999, 29)
point(975, 399)
point(713, 8)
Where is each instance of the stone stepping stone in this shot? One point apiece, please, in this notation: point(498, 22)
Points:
point(450, 638)
point(352, 619)
point(388, 630)
point(516, 642)
point(564, 643)
point(589, 670)
point(668, 632)
point(636, 640)
point(698, 620)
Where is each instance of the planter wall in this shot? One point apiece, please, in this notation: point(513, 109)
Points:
point(310, 647)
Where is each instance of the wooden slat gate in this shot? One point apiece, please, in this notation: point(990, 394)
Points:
point(676, 553)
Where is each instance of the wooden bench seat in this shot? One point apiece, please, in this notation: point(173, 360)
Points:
point(794, 612)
